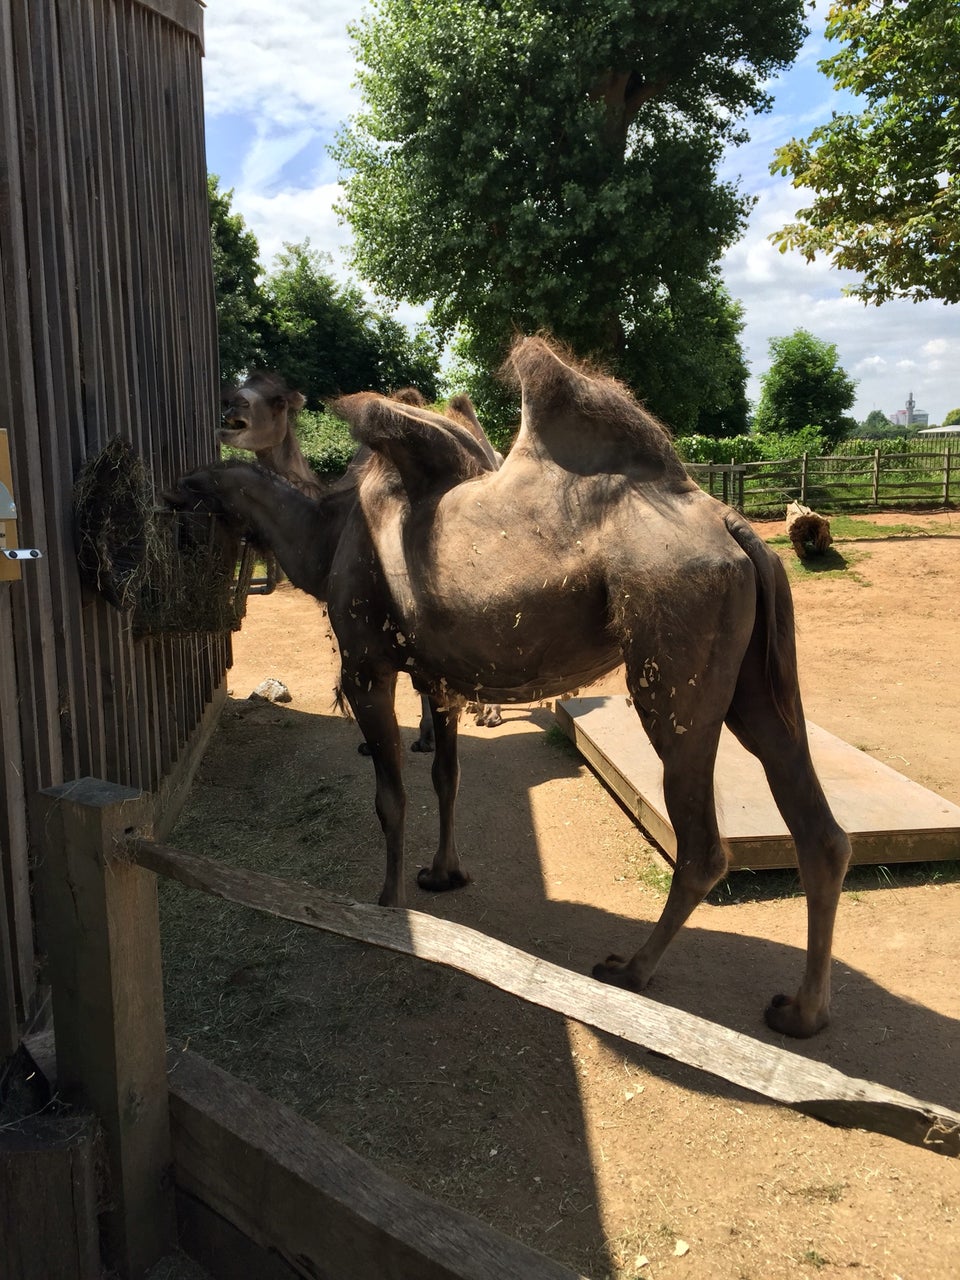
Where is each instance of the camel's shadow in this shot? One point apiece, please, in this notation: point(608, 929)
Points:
point(723, 976)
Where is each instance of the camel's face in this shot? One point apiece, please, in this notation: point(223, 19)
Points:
point(251, 420)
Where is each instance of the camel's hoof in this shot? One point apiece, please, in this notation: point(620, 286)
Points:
point(440, 884)
point(784, 1015)
point(617, 973)
point(421, 744)
point(365, 749)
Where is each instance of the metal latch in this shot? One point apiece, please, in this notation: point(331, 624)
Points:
point(8, 527)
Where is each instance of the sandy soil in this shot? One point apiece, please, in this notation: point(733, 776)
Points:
point(612, 1161)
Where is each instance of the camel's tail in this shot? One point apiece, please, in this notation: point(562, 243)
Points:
point(776, 604)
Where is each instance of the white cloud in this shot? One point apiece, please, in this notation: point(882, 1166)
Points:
point(294, 216)
point(290, 61)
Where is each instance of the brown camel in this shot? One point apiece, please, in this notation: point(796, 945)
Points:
point(589, 547)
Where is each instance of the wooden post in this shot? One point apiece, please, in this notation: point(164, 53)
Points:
point(803, 478)
point(48, 1199)
point(876, 478)
point(946, 475)
point(99, 926)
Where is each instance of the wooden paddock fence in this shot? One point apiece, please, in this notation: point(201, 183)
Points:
point(108, 332)
point(835, 483)
point(248, 1174)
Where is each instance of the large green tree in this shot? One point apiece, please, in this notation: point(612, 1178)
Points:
point(886, 180)
point(519, 165)
point(325, 339)
point(805, 387)
point(236, 272)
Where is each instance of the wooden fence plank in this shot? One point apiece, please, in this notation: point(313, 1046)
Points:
point(774, 1073)
point(323, 1209)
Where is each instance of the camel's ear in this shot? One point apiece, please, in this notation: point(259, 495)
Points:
point(295, 401)
point(227, 391)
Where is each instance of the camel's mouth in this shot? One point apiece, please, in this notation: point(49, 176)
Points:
point(227, 432)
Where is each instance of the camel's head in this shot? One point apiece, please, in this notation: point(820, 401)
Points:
point(257, 415)
point(197, 491)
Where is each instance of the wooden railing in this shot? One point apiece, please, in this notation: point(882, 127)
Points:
point(834, 482)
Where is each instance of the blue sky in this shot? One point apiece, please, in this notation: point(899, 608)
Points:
point(278, 82)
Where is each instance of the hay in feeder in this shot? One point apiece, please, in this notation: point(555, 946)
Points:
point(809, 533)
point(173, 572)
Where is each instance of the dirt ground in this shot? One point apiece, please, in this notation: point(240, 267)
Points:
point(615, 1162)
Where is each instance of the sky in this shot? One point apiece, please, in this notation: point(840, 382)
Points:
point(278, 84)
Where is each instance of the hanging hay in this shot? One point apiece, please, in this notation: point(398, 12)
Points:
point(173, 572)
point(808, 532)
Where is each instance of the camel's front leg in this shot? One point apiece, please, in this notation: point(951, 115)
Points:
point(372, 698)
point(446, 872)
point(425, 736)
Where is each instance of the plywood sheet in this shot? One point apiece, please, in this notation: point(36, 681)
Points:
point(889, 817)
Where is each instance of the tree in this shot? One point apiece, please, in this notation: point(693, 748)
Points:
point(877, 426)
point(952, 419)
point(236, 272)
point(886, 181)
point(530, 165)
point(324, 338)
point(804, 387)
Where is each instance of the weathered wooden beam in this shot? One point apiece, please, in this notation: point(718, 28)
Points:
point(313, 1204)
point(786, 1077)
point(99, 926)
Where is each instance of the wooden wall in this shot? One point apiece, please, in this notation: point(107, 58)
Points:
point(108, 328)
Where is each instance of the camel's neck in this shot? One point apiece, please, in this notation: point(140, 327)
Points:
point(302, 532)
point(286, 458)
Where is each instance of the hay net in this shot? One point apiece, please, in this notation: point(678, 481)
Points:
point(175, 573)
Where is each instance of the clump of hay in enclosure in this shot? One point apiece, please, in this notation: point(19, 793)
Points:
point(174, 572)
point(808, 532)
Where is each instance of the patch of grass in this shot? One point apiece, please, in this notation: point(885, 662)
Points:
point(646, 867)
point(811, 1258)
point(832, 564)
point(830, 1192)
point(849, 528)
point(555, 737)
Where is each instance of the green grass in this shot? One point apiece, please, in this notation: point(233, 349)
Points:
point(849, 527)
point(556, 737)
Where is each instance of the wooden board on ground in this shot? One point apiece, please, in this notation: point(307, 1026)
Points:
point(889, 817)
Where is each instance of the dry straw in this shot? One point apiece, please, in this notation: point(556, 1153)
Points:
point(175, 573)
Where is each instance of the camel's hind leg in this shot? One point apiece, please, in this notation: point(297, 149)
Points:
point(701, 858)
point(823, 849)
point(445, 871)
point(682, 696)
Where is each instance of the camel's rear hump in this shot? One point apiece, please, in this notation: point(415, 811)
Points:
point(586, 422)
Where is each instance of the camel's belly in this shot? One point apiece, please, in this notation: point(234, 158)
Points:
point(514, 648)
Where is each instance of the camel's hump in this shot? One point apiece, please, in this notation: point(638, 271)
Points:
point(588, 422)
point(430, 452)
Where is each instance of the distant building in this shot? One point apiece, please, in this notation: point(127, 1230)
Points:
point(910, 416)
